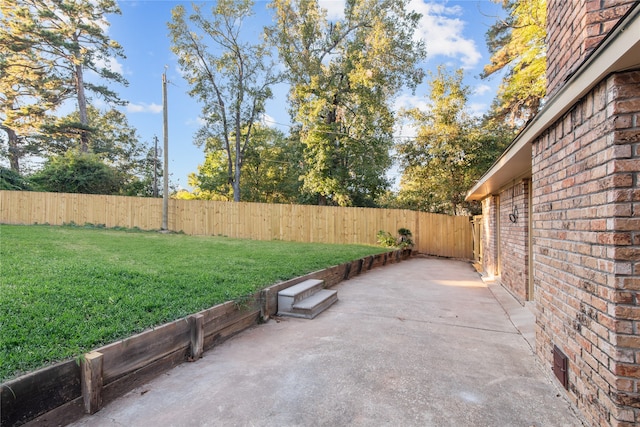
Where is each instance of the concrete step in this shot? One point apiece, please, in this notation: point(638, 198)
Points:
point(311, 306)
point(306, 299)
point(293, 294)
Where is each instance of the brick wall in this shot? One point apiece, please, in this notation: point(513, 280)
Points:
point(586, 248)
point(574, 29)
point(514, 239)
point(489, 236)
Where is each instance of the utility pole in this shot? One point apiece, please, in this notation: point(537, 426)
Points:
point(165, 189)
point(155, 166)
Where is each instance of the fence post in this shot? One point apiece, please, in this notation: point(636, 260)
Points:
point(91, 381)
point(264, 305)
point(197, 336)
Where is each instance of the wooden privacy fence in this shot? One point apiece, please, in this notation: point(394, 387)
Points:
point(433, 234)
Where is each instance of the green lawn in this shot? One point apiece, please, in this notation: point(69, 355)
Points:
point(67, 290)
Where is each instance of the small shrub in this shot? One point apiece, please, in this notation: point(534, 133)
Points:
point(403, 240)
point(385, 239)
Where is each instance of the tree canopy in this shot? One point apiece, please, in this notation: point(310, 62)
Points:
point(46, 48)
point(271, 170)
point(344, 74)
point(115, 142)
point(78, 172)
point(29, 85)
point(451, 150)
point(230, 76)
point(517, 46)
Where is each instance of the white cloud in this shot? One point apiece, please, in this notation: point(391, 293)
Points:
point(405, 128)
point(268, 120)
point(198, 121)
point(481, 89)
point(178, 69)
point(335, 8)
point(407, 101)
point(143, 107)
point(110, 64)
point(442, 30)
point(477, 109)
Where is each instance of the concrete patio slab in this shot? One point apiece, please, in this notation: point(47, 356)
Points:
point(420, 343)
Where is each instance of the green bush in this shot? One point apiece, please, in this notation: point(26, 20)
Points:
point(385, 239)
point(403, 241)
point(76, 172)
point(10, 180)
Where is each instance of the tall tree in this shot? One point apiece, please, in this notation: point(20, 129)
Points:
point(231, 77)
point(517, 46)
point(29, 84)
point(344, 74)
point(451, 150)
point(112, 137)
point(69, 38)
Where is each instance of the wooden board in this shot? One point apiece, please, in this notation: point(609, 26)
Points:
point(36, 393)
point(241, 321)
point(139, 350)
point(137, 378)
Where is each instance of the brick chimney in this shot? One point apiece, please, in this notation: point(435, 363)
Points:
point(574, 29)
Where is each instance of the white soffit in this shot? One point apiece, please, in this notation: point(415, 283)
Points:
point(618, 52)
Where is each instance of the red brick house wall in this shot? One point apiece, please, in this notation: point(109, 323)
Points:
point(574, 29)
point(586, 222)
point(514, 240)
point(585, 208)
point(586, 231)
point(565, 21)
point(584, 234)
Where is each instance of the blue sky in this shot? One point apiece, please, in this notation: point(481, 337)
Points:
point(454, 32)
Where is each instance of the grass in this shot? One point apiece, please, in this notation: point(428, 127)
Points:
point(67, 290)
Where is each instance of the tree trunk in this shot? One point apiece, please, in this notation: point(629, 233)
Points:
point(332, 116)
point(238, 166)
point(14, 150)
point(82, 110)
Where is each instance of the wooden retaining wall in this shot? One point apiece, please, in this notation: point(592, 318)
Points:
point(433, 234)
point(62, 393)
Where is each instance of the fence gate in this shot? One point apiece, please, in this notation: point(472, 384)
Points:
point(476, 226)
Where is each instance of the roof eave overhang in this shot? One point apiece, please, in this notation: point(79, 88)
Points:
point(618, 52)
